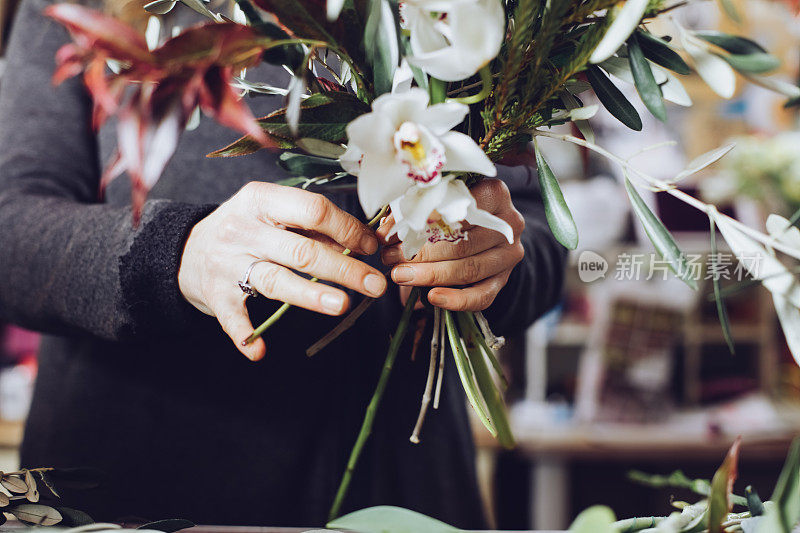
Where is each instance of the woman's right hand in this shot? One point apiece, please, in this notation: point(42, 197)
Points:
point(287, 229)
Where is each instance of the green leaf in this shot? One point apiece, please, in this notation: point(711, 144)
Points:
point(719, 500)
point(660, 237)
point(752, 63)
point(388, 519)
point(731, 43)
point(491, 395)
point(754, 503)
point(596, 519)
point(613, 99)
point(381, 44)
point(786, 495)
point(295, 15)
point(722, 311)
point(307, 165)
point(659, 52)
point(465, 372)
point(323, 116)
point(558, 214)
point(645, 82)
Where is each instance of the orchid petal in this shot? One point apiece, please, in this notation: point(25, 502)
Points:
point(379, 182)
point(463, 154)
point(441, 118)
point(479, 217)
point(351, 159)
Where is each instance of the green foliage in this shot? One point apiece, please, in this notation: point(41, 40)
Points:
point(613, 99)
point(387, 519)
point(558, 214)
point(645, 82)
point(719, 499)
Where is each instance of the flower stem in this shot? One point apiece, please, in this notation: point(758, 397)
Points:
point(372, 408)
point(486, 88)
point(438, 91)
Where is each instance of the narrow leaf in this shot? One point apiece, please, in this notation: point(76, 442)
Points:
point(789, 318)
point(661, 238)
point(571, 103)
point(645, 81)
point(559, 217)
point(722, 311)
point(719, 501)
point(786, 496)
point(702, 161)
point(714, 70)
point(308, 165)
point(731, 43)
point(14, 485)
point(613, 99)
point(170, 525)
point(660, 53)
point(625, 20)
point(387, 519)
point(35, 514)
point(752, 63)
point(381, 45)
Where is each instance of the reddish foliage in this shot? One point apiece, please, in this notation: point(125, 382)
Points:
point(155, 91)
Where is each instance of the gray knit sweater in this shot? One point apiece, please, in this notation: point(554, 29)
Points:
point(136, 382)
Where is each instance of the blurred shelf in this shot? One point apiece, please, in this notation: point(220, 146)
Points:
point(11, 433)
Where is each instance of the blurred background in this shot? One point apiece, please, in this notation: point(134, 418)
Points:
point(631, 370)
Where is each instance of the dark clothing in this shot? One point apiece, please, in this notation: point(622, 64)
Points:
point(138, 383)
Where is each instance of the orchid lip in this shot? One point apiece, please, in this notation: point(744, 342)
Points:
point(420, 152)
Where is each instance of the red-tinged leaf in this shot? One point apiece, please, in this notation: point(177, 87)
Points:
point(330, 85)
point(221, 101)
point(303, 18)
point(70, 61)
point(224, 44)
point(93, 30)
point(719, 500)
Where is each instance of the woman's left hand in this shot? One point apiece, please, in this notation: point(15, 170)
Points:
point(479, 265)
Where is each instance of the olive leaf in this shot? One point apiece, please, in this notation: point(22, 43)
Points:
point(731, 43)
point(73, 517)
point(559, 217)
point(752, 63)
point(613, 99)
point(660, 53)
point(722, 311)
point(388, 519)
point(33, 492)
point(14, 484)
point(644, 80)
point(35, 514)
point(661, 238)
point(307, 165)
point(4, 499)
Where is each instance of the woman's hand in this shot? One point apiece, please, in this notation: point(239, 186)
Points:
point(288, 229)
point(482, 262)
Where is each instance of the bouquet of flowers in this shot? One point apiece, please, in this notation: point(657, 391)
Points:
point(414, 102)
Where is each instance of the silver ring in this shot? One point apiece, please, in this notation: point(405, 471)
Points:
point(244, 284)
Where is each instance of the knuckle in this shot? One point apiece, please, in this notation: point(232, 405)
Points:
point(318, 209)
point(229, 230)
point(470, 270)
point(519, 252)
point(517, 222)
point(303, 254)
point(267, 280)
point(461, 248)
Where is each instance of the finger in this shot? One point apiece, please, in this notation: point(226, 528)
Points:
point(306, 255)
point(383, 230)
point(475, 298)
point(322, 239)
point(459, 271)
point(478, 240)
point(235, 321)
point(491, 195)
point(279, 283)
point(297, 208)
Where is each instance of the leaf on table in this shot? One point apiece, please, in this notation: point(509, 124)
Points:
point(661, 238)
point(4, 499)
point(659, 52)
point(613, 99)
point(14, 484)
point(595, 519)
point(35, 514)
point(170, 525)
point(645, 81)
point(73, 517)
point(388, 519)
point(719, 500)
point(624, 22)
point(32, 493)
point(559, 217)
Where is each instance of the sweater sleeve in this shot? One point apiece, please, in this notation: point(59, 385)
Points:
point(69, 264)
point(535, 285)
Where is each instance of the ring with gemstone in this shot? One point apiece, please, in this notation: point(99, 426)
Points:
point(244, 284)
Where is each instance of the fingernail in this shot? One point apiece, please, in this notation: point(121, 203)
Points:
point(392, 255)
point(403, 274)
point(369, 244)
point(375, 284)
point(332, 302)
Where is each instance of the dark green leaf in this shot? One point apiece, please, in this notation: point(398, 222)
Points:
point(644, 80)
point(719, 500)
point(170, 525)
point(558, 214)
point(35, 514)
point(660, 237)
point(731, 43)
point(659, 52)
point(754, 503)
point(293, 181)
point(307, 165)
point(491, 395)
point(387, 519)
point(302, 17)
point(381, 44)
point(323, 116)
point(752, 63)
point(73, 517)
point(613, 99)
point(722, 311)
point(786, 495)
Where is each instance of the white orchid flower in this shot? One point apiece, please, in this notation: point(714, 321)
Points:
point(433, 214)
point(403, 142)
point(453, 39)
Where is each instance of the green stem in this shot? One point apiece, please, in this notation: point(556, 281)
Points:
point(438, 91)
point(486, 88)
point(372, 408)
